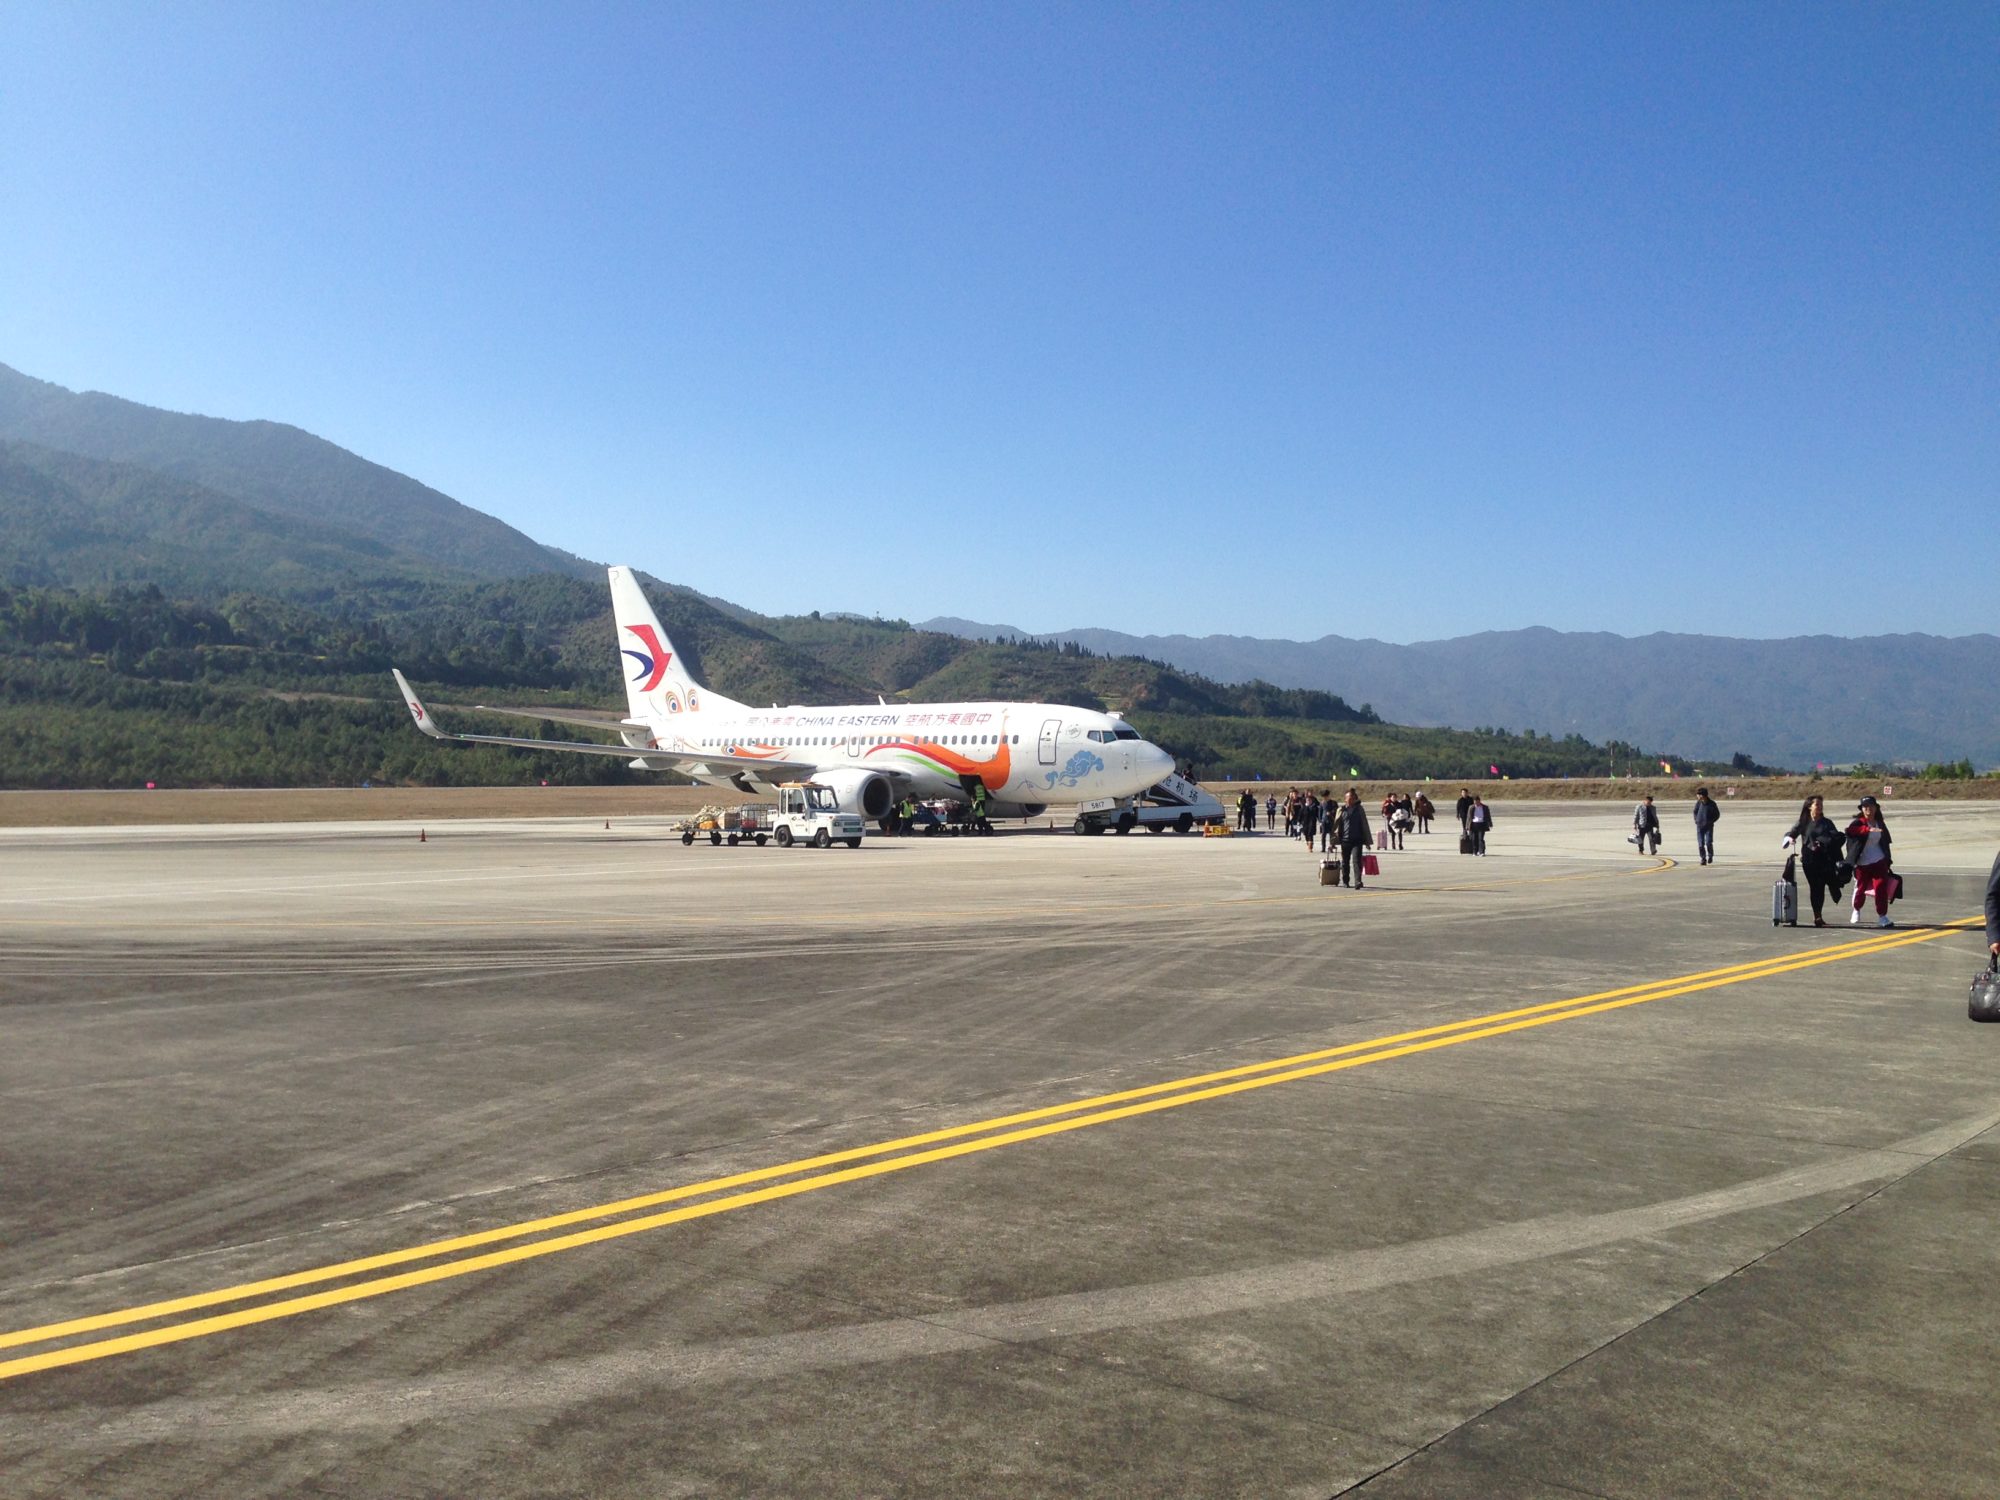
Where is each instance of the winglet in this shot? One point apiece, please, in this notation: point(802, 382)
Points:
point(417, 709)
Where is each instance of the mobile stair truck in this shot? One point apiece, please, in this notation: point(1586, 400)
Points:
point(1175, 803)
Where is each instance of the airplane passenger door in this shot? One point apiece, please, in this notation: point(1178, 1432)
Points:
point(1045, 749)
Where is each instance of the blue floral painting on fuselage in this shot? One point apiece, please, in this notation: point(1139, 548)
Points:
point(1080, 765)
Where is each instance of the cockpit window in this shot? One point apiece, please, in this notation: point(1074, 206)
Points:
point(1126, 732)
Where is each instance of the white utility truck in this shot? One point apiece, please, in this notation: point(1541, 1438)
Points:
point(806, 813)
point(809, 813)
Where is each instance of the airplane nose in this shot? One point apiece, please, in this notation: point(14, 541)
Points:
point(1155, 763)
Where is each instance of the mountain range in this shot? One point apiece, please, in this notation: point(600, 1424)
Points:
point(1796, 702)
point(276, 469)
point(98, 491)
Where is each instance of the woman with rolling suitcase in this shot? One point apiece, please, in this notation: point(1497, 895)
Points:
point(1818, 845)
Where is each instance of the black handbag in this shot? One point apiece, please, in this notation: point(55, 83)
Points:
point(1983, 1003)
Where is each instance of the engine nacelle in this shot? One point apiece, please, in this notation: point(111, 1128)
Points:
point(1016, 809)
point(869, 793)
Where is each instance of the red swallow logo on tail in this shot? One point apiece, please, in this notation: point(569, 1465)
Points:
point(652, 662)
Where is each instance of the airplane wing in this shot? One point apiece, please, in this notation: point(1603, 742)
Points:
point(655, 755)
point(587, 721)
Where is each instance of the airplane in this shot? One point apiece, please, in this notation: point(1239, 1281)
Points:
point(871, 755)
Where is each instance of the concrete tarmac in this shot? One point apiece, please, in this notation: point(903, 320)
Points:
point(541, 1158)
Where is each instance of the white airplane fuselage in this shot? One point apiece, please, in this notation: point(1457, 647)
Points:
point(1026, 755)
point(1018, 756)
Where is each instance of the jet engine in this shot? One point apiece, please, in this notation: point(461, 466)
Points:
point(869, 793)
point(1016, 809)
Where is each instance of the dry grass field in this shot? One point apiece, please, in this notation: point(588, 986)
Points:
point(179, 805)
point(106, 809)
point(1839, 791)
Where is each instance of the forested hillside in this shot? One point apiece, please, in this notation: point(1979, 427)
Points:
point(277, 468)
point(129, 685)
point(201, 602)
point(86, 523)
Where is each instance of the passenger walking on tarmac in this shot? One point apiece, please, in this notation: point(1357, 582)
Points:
point(1328, 811)
point(1424, 810)
point(1271, 812)
point(1464, 808)
point(1818, 844)
point(1868, 851)
point(1246, 811)
point(1645, 824)
point(1478, 821)
point(1309, 819)
point(1705, 814)
point(1993, 909)
point(1396, 819)
point(1350, 827)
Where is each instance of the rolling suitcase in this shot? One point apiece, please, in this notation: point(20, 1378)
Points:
point(1785, 898)
point(1329, 872)
point(1983, 1003)
point(1465, 843)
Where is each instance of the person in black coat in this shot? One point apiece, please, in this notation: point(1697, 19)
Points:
point(1818, 844)
point(1705, 814)
point(1993, 909)
point(1479, 823)
point(1350, 829)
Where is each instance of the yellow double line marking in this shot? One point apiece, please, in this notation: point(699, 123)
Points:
point(722, 1195)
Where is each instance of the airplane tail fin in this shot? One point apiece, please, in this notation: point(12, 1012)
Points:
point(656, 683)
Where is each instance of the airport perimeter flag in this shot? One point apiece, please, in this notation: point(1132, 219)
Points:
point(1493, 770)
point(1353, 771)
point(1667, 766)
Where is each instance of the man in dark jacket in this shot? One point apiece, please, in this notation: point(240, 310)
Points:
point(1993, 909)
point(1705, 814)
point(1350, 831)
point(1464, 807)
point(1478, 823)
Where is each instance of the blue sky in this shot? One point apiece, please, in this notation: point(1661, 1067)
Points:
point(1401, 321)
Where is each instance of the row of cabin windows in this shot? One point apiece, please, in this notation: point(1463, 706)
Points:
point(882, 739)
